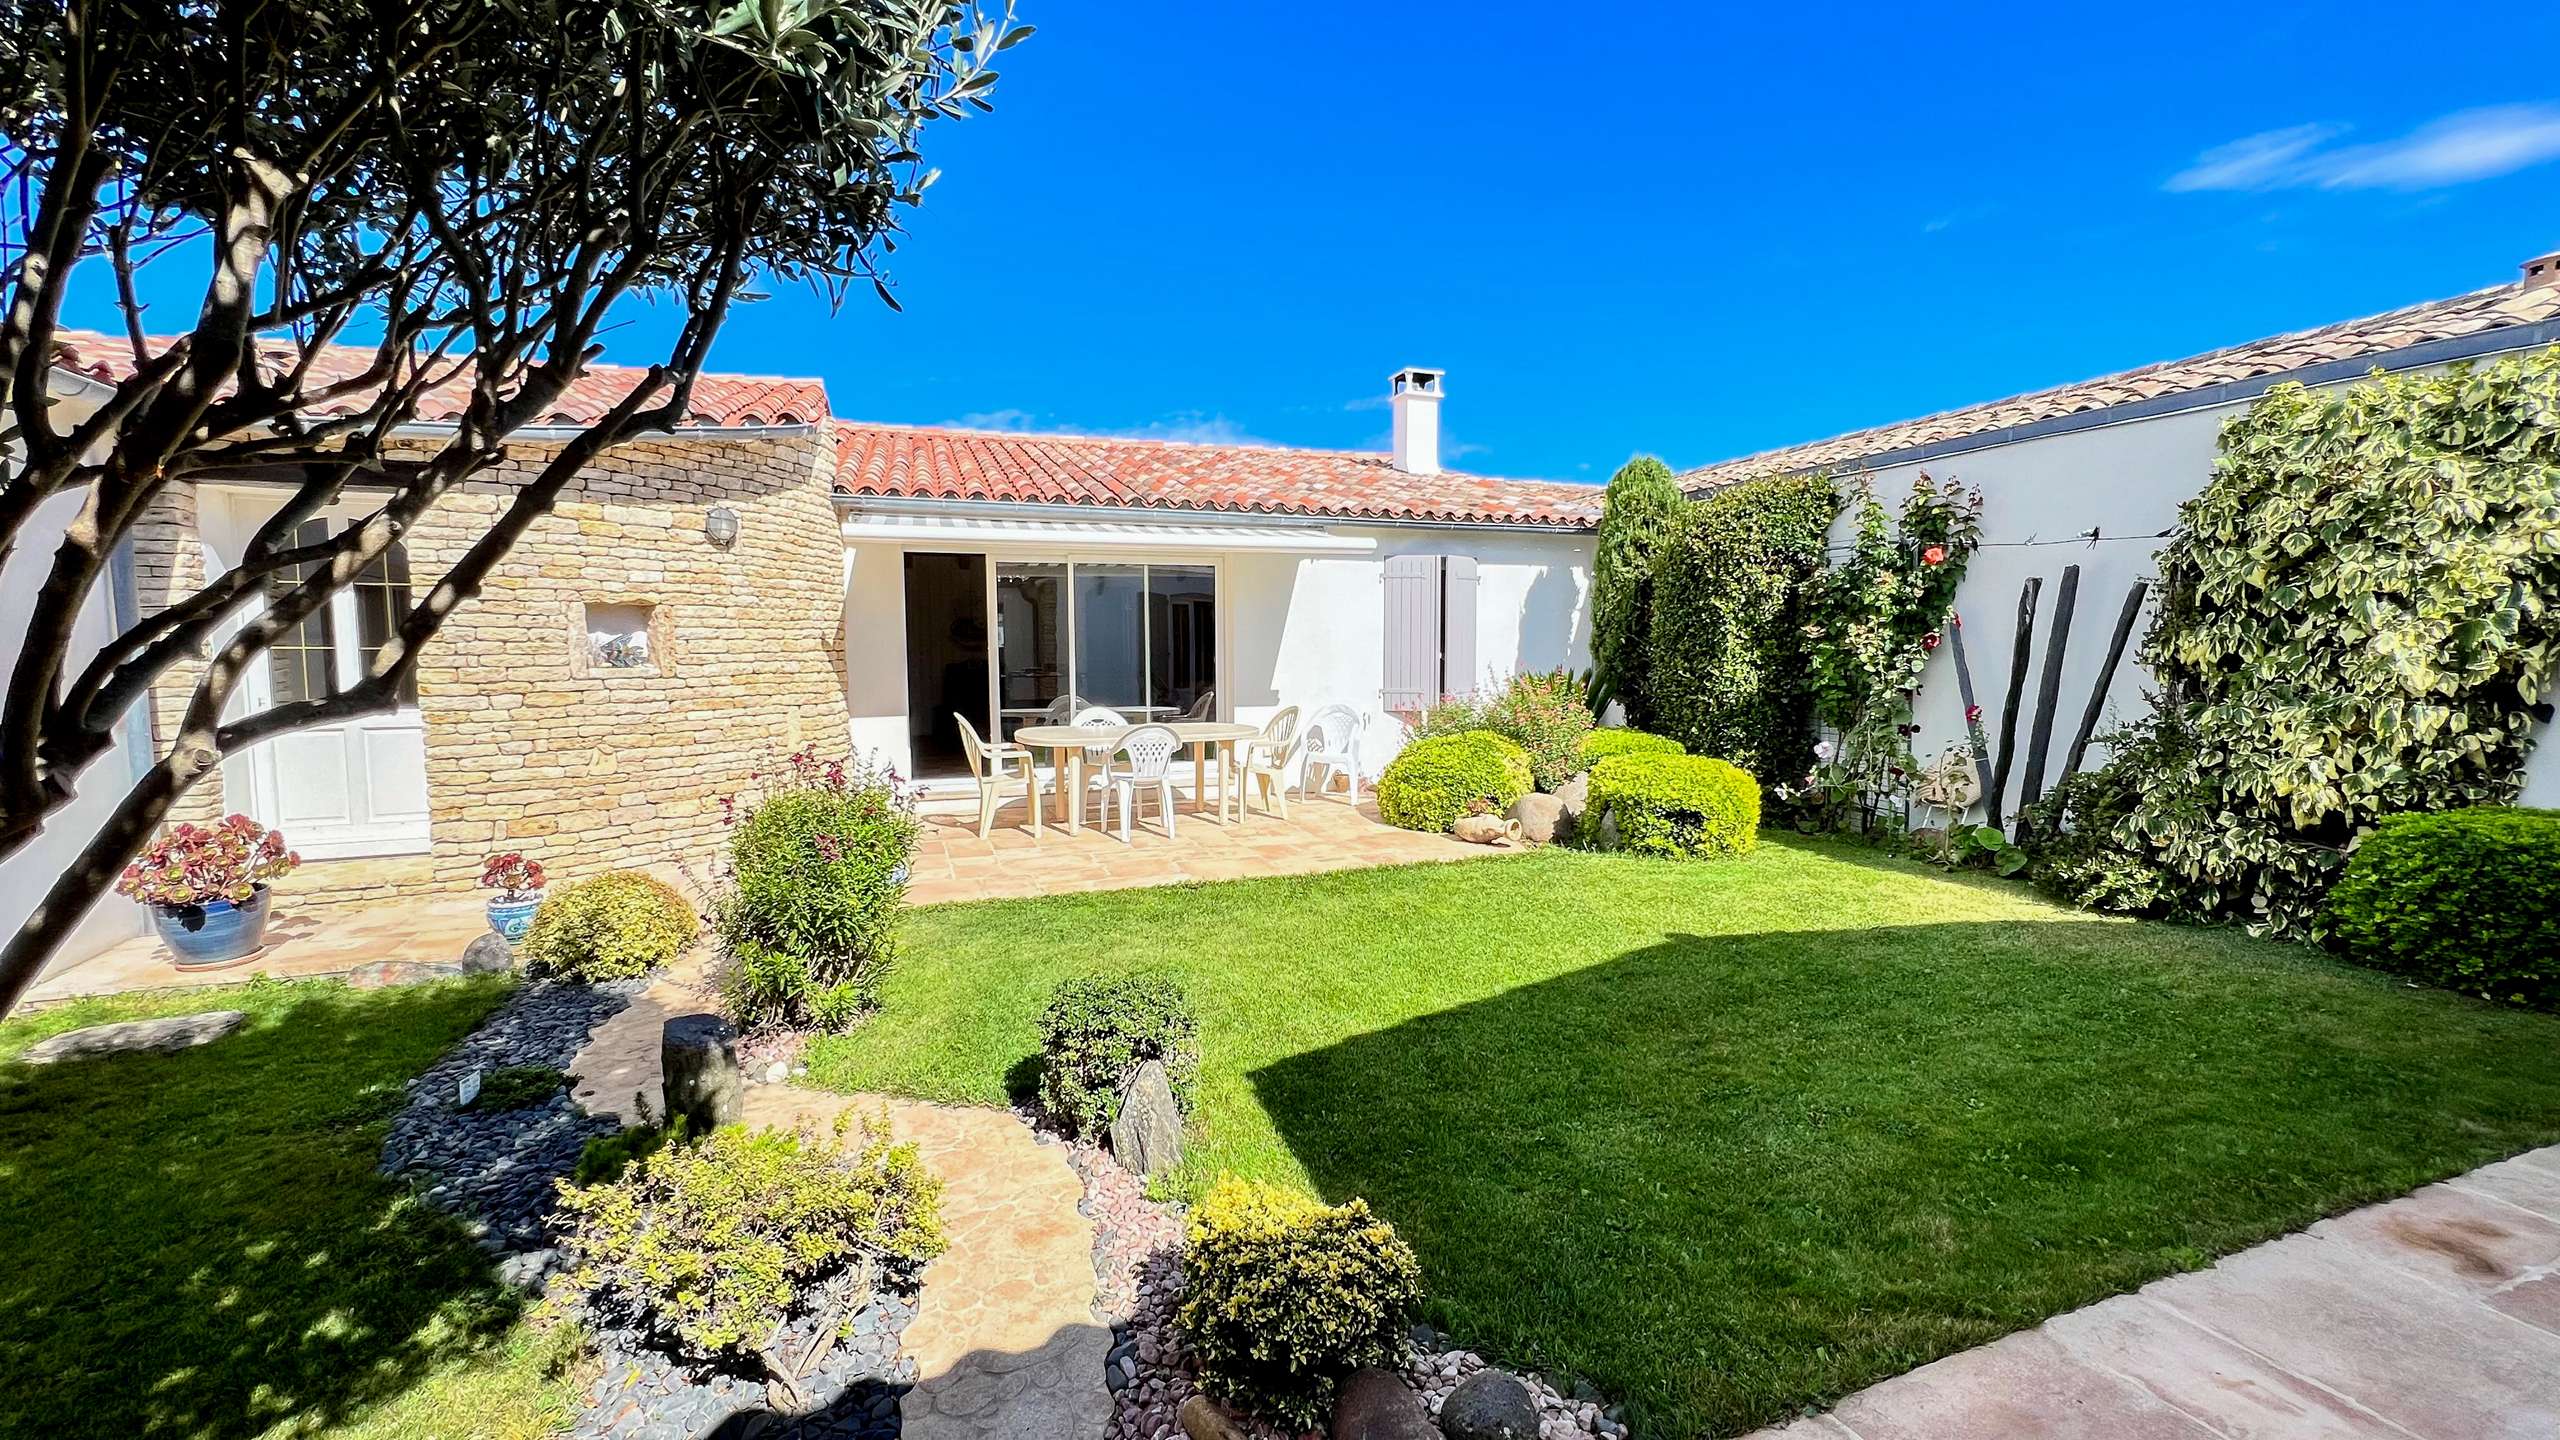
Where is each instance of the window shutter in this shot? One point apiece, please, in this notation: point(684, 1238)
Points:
point(1412, 675)
point(1458, 625)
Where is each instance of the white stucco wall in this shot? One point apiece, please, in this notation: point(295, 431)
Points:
point(2126, 479)
point(1303, 630)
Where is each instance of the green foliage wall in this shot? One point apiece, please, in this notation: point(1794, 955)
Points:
point(2356, 621)
point(1640, 512)
point(1727, 662)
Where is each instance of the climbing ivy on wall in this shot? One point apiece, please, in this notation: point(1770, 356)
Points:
point(2357, 619)
point(1727, 665)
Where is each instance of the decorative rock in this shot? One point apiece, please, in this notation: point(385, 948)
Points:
point(1376, 1405)
point(1575, 796)
point(386, 974)
point(165, 1036)
point(1489, 1405)
point(1487, 830)
point(1147, 1137)
point(700, 1057)
point(1201, 1419)
point(488, 952)
point(1540, 818)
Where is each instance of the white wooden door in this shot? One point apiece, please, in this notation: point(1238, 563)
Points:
point(357, 787)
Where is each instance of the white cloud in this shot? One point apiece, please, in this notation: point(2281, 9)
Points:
point(1190, 426)
point(2453, 150)
point(1006, 419)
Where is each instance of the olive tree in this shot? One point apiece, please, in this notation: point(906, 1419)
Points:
point(456, 193)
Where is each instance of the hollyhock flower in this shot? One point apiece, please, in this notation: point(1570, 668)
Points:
point(1824, 750)
point(1973, 714)
point(1930, 640)
point(1934, 555)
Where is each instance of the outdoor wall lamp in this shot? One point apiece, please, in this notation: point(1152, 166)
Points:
point(721, 526)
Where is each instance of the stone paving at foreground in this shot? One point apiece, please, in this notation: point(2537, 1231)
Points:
point(2432, 1317)
point(1005, 1338)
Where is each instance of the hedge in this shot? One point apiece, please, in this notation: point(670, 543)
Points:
point(1599, 745)
point(2466, 899)
point(1432, 782)
point(1686, 806)
point(1727, 667)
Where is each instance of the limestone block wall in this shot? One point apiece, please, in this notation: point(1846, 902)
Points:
point(532, 745)
point(168, 566)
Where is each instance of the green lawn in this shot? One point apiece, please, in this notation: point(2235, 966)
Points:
point(197, 1244)
point(1731, 1140)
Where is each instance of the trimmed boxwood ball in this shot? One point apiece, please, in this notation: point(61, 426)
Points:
point(1097, 1030)
point(1284, 1296)
point(2466, 899)
point(1599, 745)
point(614, 926)
point(1687, 806)
point(1432, 782)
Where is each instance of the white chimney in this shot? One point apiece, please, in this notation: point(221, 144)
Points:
point(1414, 394)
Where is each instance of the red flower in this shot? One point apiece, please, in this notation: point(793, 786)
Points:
point(1930, 640)
point(1973, 714)
point(1934, 555)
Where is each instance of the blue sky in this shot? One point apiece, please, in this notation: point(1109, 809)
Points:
point(1686, 232)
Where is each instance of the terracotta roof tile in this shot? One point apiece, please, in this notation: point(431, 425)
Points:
point(2482, 310)
point(718, 400)
point(948, 464)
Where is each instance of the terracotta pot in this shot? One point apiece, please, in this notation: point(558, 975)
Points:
point(1487, 830)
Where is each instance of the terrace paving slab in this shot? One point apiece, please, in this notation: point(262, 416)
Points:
point(2432, 1317)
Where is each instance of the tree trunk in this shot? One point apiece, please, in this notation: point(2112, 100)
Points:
point(91, 874)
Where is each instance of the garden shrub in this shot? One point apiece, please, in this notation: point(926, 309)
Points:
point(1638, 514)
point(1544, 715)
point(818, 869)
point(1600, 744)
point(609, 1157)
point(1284, 1296)
point(2358, 618)
point(1727, 667)
point(1432, 782)
point(1097, 1030)
point(612, 926)
point(1448, 715)
point(2466, 899)
point(707, 1247)
point(1689, 806)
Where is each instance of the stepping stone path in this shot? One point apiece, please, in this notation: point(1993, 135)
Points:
point(164, 1036)
point(1004, 1340)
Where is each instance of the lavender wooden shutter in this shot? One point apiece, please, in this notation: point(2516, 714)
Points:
point(1458, 625)
point(1412, 674)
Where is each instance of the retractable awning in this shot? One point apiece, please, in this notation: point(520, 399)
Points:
point(962, 532)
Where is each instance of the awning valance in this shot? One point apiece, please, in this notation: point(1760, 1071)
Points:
point(966, 532)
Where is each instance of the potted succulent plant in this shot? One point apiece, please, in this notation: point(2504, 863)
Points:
point(518, 882)
point(206, 886)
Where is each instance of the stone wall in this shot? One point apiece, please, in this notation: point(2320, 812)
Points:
point(168, 566)
point(530, 744)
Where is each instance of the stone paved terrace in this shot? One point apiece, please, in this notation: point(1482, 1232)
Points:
point(2432, 1317)
point(952, 863)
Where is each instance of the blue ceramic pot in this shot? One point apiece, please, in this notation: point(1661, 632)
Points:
point(512, 918)
point(216, 933)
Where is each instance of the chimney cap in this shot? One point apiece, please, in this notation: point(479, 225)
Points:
point(1416, 378)
point(2542, 271)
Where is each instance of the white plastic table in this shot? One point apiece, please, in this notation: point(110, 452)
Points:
point(1067, 744)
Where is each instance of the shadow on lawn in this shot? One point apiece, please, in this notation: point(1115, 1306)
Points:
point(198, 1244)
point(1728, 1177)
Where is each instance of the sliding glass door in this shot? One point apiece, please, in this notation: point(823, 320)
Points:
point(1141, 639)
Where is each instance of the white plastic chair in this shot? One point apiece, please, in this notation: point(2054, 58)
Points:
point(997, 782)
point(1061, 711)
point(1204, 708)
point(1271, 761)
point(1150, 749)
point(1097, 758)
point(1333, 747)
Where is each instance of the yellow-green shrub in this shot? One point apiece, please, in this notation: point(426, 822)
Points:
point(612, 927)
point(1599, 745)
point(1284, 1296)
point(708, 1246)
point(1689, 806)
point(1432, 782)
point(2467, 899)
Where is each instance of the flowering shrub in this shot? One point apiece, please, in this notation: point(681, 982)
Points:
point(512, 875)
point(817, 869)
point(1448, 715)
point(197, 864)
point(1877, 618)
point(1544, 715)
